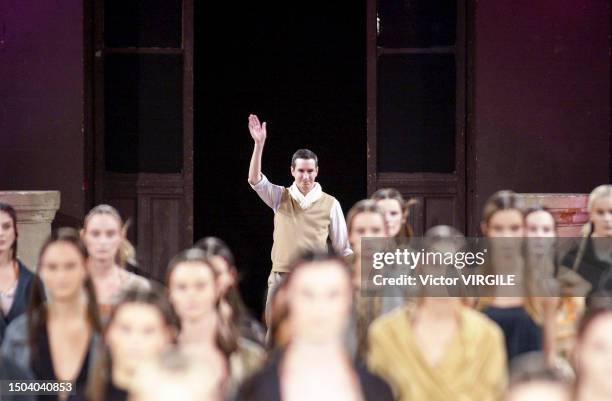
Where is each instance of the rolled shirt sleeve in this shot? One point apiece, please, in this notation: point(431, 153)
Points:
point(270, 193)
point(337, 230)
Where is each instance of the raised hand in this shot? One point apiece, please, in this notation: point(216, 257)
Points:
point(257, 130)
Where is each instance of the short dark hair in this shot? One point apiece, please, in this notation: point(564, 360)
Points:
point(304, 154)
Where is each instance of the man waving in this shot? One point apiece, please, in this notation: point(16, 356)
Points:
point(304, 216)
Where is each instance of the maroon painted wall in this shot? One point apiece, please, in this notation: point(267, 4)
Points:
point(540, 108)
point(542, 97)
point(41, 100)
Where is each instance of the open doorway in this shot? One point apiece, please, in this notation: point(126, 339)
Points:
point(302, 68)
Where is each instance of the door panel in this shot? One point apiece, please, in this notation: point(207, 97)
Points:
point(416, 106)
point(143, 122)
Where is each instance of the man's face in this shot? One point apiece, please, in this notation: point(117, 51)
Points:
point(305, 172)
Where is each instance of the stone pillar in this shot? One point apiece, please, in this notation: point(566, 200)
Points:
point(569, 210)
point(35, 212)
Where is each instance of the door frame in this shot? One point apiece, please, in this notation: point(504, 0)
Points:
point(455, 184)
point(97, 178)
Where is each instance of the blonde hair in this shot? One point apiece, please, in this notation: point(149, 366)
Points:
point(602, 191)
point(126, 253)
point(599, 192)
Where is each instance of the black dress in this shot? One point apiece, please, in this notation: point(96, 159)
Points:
point(265, 385)
point(20, 301)
point(521, 333)
point(10, 371)
point(42, 367)
point(114, 394)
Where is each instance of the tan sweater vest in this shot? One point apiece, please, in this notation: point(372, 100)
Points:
point(297, 230)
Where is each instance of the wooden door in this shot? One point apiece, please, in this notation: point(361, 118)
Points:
point(142, 107)
point(416, 106)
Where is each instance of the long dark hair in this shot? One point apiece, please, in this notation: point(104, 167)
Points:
point(226, 337)
point(153, 295)
point(554, 255)
point(213, 246)
point(500, 201)
point(8, 209)
point(37, 312)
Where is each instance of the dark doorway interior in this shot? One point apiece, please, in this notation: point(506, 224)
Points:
point(301, 67)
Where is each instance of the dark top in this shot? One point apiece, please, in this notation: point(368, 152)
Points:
point(265, 385)
point(22, 295)
point(10, 371)
point(115, 394)
point(597, 272)
point(42, 367)
point(521, 333)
